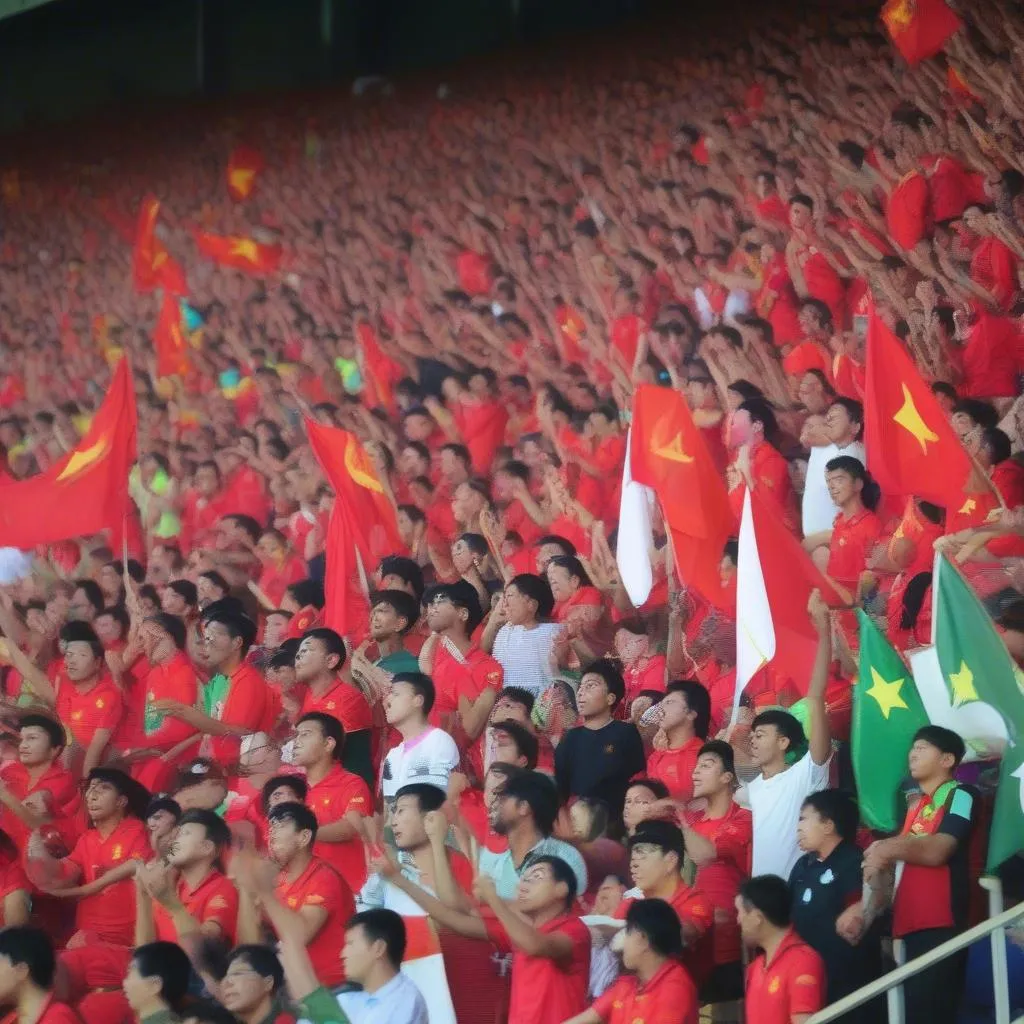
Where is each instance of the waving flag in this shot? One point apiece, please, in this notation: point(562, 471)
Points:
point(152, 266)
point(362, 530)
point(244, 166)
point(668, 454)
point(84, 492)
point(911, 448)
point(919, 29)
point(169, 340)
point(635, 536)
point(246, 254)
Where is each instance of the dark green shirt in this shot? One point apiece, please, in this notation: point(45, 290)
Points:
point(321, 1007)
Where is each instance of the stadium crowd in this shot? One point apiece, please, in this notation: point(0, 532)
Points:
point(490, 788)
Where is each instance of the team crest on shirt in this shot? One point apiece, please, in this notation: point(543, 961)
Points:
point(806, 980)
point(493, 677)
point(217, 903)
point(292, 902)
point(330, 705)
point(116, 855)
point(100, 703)
point(774, 985)
point(314, 899)
point(76, 716)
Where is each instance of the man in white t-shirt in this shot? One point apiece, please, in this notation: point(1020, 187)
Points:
point(776, 795)
point(840, 435)
point(425, 754)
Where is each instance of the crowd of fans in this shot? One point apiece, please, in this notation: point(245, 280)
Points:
point(505, 793)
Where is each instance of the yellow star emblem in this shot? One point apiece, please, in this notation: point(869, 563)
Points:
point(898, 15)
point(886, 693)
point(968, 507)
point(673, 451)
point(963, 685)
point(246, 248)
point(241, 180)
point(358, 465)
point(82, 459)
point(910, 420)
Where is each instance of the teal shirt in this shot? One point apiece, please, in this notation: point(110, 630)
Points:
point(400, 661)
point(321, 1007)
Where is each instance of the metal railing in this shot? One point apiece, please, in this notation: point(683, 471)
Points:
point(891, 983)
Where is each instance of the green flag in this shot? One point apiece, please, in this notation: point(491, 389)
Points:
point(887, 711)
point(977, 667)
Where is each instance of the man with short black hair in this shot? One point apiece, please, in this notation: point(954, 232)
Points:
point(340, 799)
point(26, 978)
point(685, 712)
point(598, 758)
point(785, 982)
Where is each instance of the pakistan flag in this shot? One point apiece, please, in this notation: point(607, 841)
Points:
point(977, 667)
point(887, 711)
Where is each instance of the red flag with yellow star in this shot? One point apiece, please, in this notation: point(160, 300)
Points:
point(152, 265)
point(362, 530)
point(241, 253)
point(169, 340)
point(911, 447)
point(919, 29)
point(84, 492)
point(244, 166)
point(669, 455)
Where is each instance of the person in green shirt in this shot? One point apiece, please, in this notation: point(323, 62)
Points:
point(157, 982)
point(383, 654)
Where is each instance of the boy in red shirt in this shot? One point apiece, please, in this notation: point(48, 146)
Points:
point(685, 715)
point(786, 980)
point(27, 981)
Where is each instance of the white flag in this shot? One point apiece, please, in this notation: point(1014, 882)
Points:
point(636, 536)
point(755, 631)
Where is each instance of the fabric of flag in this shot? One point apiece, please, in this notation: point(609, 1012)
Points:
point(887, 712)
point(152, 266)
point(256, 258)
point(363, 527)
point(919, 29)
point(244, 166)
point(635, 536)
point(84, 492)
point(959, 87)
point(169, 340)
point(10, 187)
point(911, 448)
point(668, 454)
point(774, 580)
point(977, 667)
point(380, 372)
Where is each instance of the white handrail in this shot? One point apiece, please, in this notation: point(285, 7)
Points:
point(908, 970)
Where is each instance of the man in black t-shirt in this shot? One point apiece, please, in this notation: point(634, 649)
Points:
point(824, 882)
point(598, 758)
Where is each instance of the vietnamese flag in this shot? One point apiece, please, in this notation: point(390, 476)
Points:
point(363, 527)
point(152, 265)
point(244, 166)
point(911, 448)
point(241, 253)
point(668, 454)
point(169, 340)
point(84, 492)
point(919, 28)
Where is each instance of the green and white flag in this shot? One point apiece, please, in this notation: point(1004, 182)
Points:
point(978, 668)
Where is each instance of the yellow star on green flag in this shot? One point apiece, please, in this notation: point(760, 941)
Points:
point(887, 712)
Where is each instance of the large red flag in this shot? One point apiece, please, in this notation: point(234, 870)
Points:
point(244, 166)
point(363, 527)
point(169, 340)
point(152, 265)
point(669, 455)
point(84, 492)
point(919, 28)
point(911, 447)
point(241, 253)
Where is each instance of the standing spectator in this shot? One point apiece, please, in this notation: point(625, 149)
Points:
point(778, 792)
point(839, 435)
point(685, 713)
point(598, 758)
point(786, 979)
point(524, 642)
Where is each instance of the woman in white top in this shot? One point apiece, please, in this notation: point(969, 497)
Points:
point(518, 635)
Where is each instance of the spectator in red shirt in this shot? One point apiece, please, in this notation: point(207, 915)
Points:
point(203, 507)
point(657, 989)
point(307, 889)
point(759, 465)
point(280, 567)
point(685, 712)
point(14, 886)
point(188, 893)
point(157, 981)
point(785, 982)
point(27, 980)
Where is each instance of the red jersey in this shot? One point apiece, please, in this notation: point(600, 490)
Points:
point(250, 702)
point(770, 473)
point(808, 355)
point(52, 1013)
point(12, 880)
point(56, 780)
point(344, 702)
point(335, 795)
point(675, 767)
point(474, 813)
point(733, 836)
point(319, 885)
point(214, 900)
point(276, 579)
point(84, 711)
point(668, 998)
point(853, 540)
point(794, 982)
point(110, 913)
point(906, 213)
point(546, 991)
point(173, 680)
point(454, 676)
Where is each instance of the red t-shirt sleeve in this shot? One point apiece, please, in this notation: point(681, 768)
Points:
point(13, 879)
point(354, 712)
point(733, 842)
point(906, 215)
point(359, 800)
point(807, 987)
point(222, 908)
point(604, 1004)
point(246, 702)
